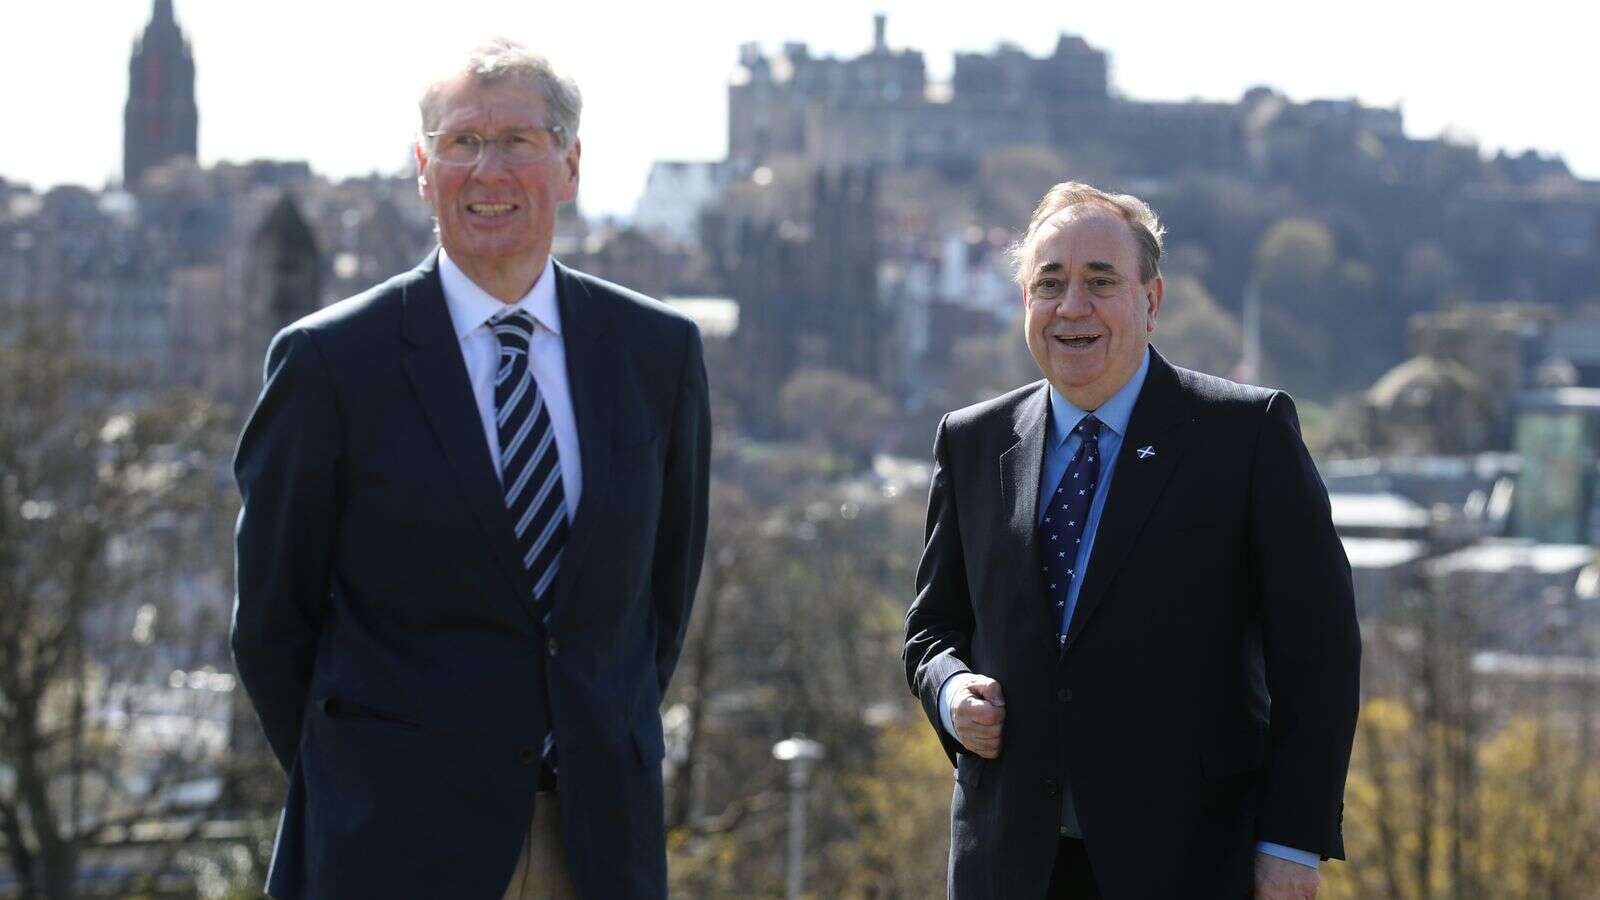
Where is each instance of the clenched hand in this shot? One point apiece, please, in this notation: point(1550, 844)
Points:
point(978, 711)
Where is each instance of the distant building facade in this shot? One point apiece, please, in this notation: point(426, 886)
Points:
point(880, 108)
point(1477, 371)
point(676, 194)
point(1558, 437)
point(807, 289)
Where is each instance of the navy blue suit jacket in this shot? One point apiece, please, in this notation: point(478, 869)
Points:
point(384, 628)
point(1206, 697)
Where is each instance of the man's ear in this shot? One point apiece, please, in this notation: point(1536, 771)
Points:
point(422, 169)
point(1153, 293)
point(570, 160)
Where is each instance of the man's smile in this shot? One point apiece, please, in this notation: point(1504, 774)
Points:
point(491, 210)
point(1076, 341)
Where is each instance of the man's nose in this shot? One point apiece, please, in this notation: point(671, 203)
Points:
point(490, 165)
point(1074, 303)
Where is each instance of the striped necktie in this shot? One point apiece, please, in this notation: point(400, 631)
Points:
point(530, 464)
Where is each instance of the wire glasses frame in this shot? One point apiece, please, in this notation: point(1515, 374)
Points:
point(518, 147)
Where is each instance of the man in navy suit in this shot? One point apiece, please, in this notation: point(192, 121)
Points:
point(1134, 629)
point(474, 514)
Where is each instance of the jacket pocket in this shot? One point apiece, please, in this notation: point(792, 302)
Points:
point(629, 452)
point(347, 711)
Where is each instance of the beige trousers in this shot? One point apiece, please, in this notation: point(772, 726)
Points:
point(541, 872)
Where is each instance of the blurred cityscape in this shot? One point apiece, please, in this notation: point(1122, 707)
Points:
point(1435, 312)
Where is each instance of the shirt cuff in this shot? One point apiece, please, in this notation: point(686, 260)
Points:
point(944, 707)
point(1302, 857)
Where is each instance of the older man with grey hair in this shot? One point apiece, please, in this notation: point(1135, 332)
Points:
point(474, 514)
point(1134, 630)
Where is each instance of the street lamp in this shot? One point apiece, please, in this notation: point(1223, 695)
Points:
point(800, 754)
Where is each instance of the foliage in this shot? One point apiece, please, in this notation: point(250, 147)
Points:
point(1194, 331)
point(1465, 781)
point(902, 815)
point(113, 711)
point(1534, 807)
point(1012, 178)
point(835, 411)
point(1325, 327)
point(1433, 279)
point(797, 629)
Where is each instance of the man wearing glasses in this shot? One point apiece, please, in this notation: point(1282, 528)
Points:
point(474, 513)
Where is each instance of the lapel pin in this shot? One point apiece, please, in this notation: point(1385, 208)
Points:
point(1147, 451)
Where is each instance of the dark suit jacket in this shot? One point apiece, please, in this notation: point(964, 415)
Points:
point(1207, 695)
point(384, 625)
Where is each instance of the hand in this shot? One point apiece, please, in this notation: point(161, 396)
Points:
point(977, 710)
point(1282, 879)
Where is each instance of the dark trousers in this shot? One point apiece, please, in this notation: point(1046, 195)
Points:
point(1072, 879)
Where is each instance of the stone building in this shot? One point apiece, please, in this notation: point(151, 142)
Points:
point(807, 290)
point(282, 281)
point(1457, 392)
point(1429, 405)
point(881, 109)
point(781, 106)
point(161, 121)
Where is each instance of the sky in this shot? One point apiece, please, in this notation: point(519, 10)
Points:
point(335, 82)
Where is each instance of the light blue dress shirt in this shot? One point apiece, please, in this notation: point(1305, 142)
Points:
point(1060, 445)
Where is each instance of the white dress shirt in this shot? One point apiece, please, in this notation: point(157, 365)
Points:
point(473, 312)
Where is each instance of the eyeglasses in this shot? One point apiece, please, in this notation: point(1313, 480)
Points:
point(519, 146)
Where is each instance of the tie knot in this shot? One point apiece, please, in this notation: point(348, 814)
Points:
point(516, 329)
point(1089, 427)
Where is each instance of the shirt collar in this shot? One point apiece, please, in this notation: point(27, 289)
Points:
point(471, 306)
point(1113, 414)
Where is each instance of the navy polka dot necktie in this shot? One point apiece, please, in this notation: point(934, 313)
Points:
point(1065, 515)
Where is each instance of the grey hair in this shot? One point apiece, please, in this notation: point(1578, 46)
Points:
point(502, 59)
point(1147, 229)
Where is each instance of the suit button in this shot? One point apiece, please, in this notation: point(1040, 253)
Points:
point(1052, 788)
point(1064, 695)
point(528, 756)
point(550, 646)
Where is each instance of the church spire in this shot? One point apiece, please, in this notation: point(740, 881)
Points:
point(160, 121)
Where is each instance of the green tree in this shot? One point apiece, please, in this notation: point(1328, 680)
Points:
point(835, 411)
point(797, 630)
point(1324, 328)
point(1194, 331)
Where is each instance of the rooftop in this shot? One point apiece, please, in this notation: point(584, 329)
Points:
point(718, 317)
point(1381, 553)
point(1499, 555)
point(1376, 510)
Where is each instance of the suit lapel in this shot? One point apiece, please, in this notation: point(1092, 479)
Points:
point(1136, 484)
point(439, 376)
point(1020, 466)
point(592, 376)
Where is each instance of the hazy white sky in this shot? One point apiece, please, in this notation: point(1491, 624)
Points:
point(334, 82)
